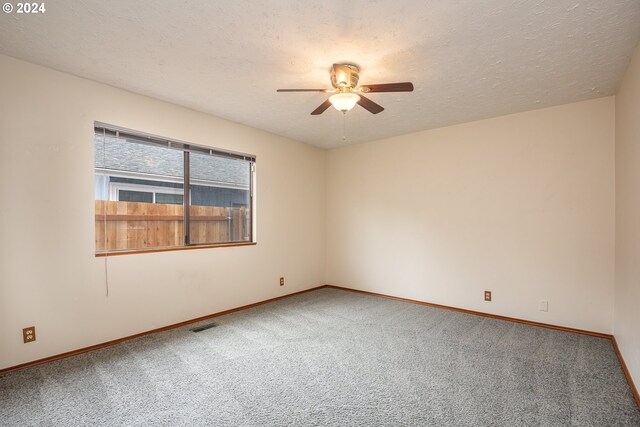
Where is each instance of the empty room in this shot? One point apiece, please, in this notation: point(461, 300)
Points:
point(366, 213)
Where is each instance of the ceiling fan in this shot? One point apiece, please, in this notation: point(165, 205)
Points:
point(347, 93)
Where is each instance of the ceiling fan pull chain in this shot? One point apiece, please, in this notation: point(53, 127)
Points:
point(344, 126)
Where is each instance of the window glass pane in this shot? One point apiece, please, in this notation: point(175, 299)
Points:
point(134, 196)
point(220, 209)
point(127, 175)
point(169, 199)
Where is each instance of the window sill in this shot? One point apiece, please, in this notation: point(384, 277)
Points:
point(177, 248)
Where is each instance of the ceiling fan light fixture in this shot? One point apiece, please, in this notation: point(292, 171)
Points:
point(344, 101)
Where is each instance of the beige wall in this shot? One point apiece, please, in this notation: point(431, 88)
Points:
point(49, 276)
point(627, 292)
point(522, 205)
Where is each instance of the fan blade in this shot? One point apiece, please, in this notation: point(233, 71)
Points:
point(369, 105)
point(322, 108)
point(388, 87)
point(301, 90)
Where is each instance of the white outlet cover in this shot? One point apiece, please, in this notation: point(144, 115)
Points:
point(544, 305)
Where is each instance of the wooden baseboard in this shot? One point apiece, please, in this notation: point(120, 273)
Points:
point(153, 331)
point(480, 313)
point(627, 374)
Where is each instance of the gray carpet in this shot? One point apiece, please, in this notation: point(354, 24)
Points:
point(332, 358)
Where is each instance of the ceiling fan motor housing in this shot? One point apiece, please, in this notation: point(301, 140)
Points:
point(344, 75)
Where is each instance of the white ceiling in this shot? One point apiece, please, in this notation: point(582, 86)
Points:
point(468, 59)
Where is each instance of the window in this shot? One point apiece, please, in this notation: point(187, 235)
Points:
point(153, 193)
point(126, 192)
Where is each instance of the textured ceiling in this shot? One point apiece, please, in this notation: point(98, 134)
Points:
point(467, 59)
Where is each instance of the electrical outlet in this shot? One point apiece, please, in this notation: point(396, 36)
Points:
point(282, 281)
point(544, 305)
point(487, 295)
point(29, 334)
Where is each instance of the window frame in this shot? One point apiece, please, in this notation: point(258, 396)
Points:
point(133, 136)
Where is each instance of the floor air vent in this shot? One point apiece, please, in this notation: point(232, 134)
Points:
point(203, 327)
